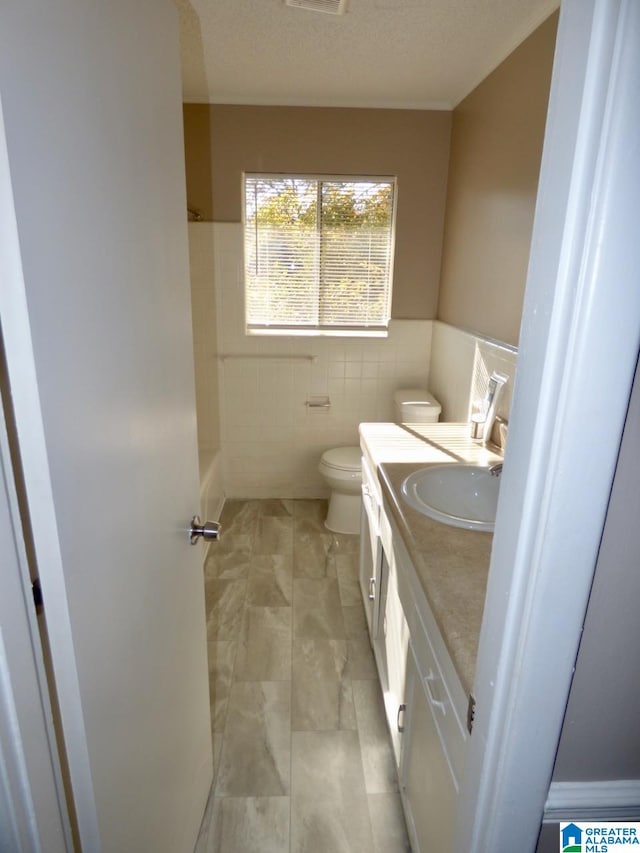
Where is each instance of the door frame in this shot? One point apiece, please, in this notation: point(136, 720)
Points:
point(33, 808)
point(578, 350)
point(34, 799)
point(16, 336)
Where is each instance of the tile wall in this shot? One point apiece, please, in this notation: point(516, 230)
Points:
point(258, 437)
point(271, 440)
point(461, 364)
point(201, 263)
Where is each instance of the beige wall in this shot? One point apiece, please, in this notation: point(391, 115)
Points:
point(223, 141)
point(496, 146)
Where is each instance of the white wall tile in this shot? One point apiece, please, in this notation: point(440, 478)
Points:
point(452, 355)
point(353, 369)
point(461, 364)
point(201, 263)
point(336, 370)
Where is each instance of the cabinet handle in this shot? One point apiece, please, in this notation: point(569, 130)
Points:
point(401, 710)
point(442, 706)
point(372, 589)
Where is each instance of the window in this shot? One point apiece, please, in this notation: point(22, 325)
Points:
point(318, 254)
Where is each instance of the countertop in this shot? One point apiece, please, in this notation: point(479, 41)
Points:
point(451, 564)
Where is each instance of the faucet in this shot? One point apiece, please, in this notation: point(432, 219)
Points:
point(490, 405)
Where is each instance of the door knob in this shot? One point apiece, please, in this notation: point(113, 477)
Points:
point(402, 709)
point(209, 531)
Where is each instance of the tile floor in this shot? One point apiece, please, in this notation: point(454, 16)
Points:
point(303, 762)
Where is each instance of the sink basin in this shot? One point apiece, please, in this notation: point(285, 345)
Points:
point(458, 495)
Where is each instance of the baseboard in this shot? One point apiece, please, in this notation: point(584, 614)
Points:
point(602, 800)
point(215, 515)
point(211, 484)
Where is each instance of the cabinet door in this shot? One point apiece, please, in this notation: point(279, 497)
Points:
point(370, 560)
point(396, 642)
point(428, 789)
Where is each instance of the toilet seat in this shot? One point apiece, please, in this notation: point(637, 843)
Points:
point(345, 459)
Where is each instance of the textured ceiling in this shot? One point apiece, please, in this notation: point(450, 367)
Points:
point(413, 54)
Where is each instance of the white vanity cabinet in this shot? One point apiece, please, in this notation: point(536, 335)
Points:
point(388, 628)
point(435, 735)
point(370, 546)
point(425, 702)
point(390, 649)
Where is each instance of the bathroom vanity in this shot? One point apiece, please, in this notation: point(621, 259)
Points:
point(423, 585)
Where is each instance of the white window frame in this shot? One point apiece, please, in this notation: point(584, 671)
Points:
point(356, 330)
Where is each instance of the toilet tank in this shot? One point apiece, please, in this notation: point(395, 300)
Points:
point(415, 405)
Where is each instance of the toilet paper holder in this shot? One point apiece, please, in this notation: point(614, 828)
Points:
point(318, 403)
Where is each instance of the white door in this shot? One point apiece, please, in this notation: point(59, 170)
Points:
point(95, 313)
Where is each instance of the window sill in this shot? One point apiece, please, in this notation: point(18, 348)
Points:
point(318, 333)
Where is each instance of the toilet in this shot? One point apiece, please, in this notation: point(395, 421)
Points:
point(341, 469)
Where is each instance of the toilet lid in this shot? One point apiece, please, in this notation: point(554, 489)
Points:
point(416, 397)
point(344, 458)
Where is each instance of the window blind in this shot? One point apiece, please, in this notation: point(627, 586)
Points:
point(318, 253)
